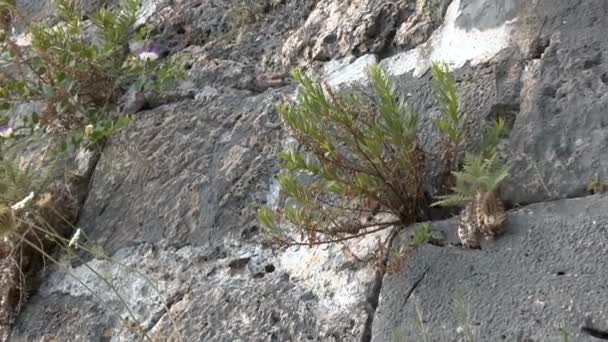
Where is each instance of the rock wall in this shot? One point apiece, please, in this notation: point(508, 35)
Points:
point(174, 196)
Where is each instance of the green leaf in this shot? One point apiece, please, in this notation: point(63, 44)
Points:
point(268, 222)
point(422, 234)
point(449, 123)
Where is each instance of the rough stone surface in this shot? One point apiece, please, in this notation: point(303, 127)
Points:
point(193, 172)
point(250, 33)
point(419, 26)
point(194, 180)
point(557, 143)
point(174, 195)
point(336, 29)
point(545, 271)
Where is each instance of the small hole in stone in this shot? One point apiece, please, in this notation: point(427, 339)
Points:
point(181, 30)
point(269, 268)
point(561, 273)
point(604, 77)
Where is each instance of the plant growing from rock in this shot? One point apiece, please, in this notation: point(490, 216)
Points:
point(362, 158)
point(37, 229)
point(77, 69)
point(475, 189)
point(463, 316)
point(359, 156)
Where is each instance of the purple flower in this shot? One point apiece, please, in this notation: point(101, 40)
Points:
point(7, 131)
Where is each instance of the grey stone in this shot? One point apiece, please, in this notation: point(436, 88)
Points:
point(557, 142)
point(174, 197)
point(546, 270)
point(194, 172)
point(426, 16)
point(480, 14)
point(215, 27)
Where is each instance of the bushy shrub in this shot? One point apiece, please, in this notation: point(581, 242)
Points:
point(78, 70)
point(359, 155)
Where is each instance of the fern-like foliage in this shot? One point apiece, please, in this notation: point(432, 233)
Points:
point(449, 122)
point(116, 27)
point(481, 172)
point(15, 183)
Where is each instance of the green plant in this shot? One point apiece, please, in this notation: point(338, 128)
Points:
point(78, 77)
point(481, 172)
point(597, 187)
point(463, 317)
point(14, 182)
point(362, 158)
point(422, 235)
point(359, 156)
point(564, 333)
point(421, 328)
point(7, 220)
point(449, 123)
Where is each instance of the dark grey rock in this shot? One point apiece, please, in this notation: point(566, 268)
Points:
point(194, 173)
point(546, 270)
point(218, 28)
point(174, 196)
point(557, 142)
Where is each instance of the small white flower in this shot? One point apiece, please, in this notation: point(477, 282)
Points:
point(24, 39)
point(459, 330)
point(88, 130)
point(148, 56)
point(83, 160)
point(75, 239)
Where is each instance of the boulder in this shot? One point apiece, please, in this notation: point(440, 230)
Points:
point(544, 274)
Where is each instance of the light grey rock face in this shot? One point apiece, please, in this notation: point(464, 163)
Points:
point(336, 29)
point(545, 271)
point(211, 296)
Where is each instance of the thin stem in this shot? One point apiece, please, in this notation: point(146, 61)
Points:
point(110, 260)
point(353, 209)
point(367, 232)
point(45, 254)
